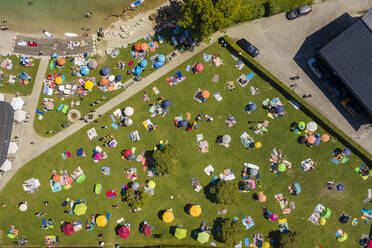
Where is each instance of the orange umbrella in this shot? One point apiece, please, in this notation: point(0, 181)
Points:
point(311, 140)
point(137, 46)
point(325, 137)
point(144, 46)
point(205, 94)
point(61, 61)
point(104, 82)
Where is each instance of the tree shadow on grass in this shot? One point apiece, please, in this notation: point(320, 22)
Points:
point(216, 229)
point(276, 237)
point(210, 191)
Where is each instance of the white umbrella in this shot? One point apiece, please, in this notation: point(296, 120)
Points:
point(226, 139)
point(19, 115)
point(7, 165)
point(311, 126)
point(12, 148)
point(111, 78)
point(22, 207)
point(128, 111)
point(17, 103)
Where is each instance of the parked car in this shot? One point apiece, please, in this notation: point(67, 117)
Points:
point(65, 124)
point(332, 89)
point(300, 11)
point(351, 107)
point(315, 67)
point(248, 47)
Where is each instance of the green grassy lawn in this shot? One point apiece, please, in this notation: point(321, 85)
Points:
point(16, 70)
point(192, 164)
point(54, 119)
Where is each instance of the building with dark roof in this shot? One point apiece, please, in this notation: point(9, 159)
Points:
point(349, 56)
point(6, 124)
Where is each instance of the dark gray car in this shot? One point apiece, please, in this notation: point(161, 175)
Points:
point(300, 11)
point(248, 47)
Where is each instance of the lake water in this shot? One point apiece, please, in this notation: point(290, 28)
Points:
point(59, 16)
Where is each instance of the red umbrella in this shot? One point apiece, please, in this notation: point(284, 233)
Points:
point(124, 232)
point(146, 230)
point(97, 156)
point(127, 153)
point(199, 67)
point(67, 229)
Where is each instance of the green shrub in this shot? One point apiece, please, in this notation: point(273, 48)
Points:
point(227, 193)
point(278, 6)
point(305, 107)
point(251, 12)
point(232, 232)
point(166, 160)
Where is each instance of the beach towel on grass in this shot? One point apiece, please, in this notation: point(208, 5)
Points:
point(64, 110)
point(218, 96)
point(106, 171)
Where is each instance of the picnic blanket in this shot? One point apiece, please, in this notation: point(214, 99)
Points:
point(92, 133)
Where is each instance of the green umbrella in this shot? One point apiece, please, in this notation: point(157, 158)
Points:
point(151, 184)
point(180, 233)
point(80, 209)
point(203, 237)
point(301, 125)
point(327, 214)
point(51, 65)
point(282, 168)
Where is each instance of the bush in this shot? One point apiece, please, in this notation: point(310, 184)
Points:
point(166, 160)
point(305, 107)
point(232, 232)
point(251, 12)
point(137, 198)
point(227, 193)
point(278, 6)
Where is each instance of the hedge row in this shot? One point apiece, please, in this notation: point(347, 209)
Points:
point(305, 107)
point(268, 8)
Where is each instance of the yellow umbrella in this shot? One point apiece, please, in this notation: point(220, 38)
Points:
point(266, 245)
point(258, 145)
point(58, 80)
point(168, 217)
point(88, 85)
point(195, 210)
point(101, 220)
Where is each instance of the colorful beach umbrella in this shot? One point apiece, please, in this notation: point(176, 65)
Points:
point(203, 237)
point(195, 210)
point(84, 70)
point(88, 85)
point(301, 125)
point(205, 94)
point(180, 233)
point(324, 137)
point(168, 217)
point(80, 209)
point(101, 220)
point(124, 232)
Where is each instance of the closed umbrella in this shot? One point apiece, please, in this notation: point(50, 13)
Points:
point(282, 167)
point(195, 210)
point(80, 209)
point(205, 94)
point(311, 139)
point(199, 67)
point(226, 139)
point(325, 137)
point(22, 207)
point(180, 233)
point(92, 64)
point(347, 151)
point(124, 232)
point(128, 111)
point(6, 166)
point(67, 229)
point(168, 217)
point(101, 220)
point(203, 237)
point(146, 230)
point(13, 147)
point(151, 184)
point(17, 103)
point(19, 115)
point(301, 125)
point(311, 126)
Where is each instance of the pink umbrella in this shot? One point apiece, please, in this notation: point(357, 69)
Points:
point(146, 230)
point(199, 67)
point(369, 244)
point(124, 232)
point(273, 217)
point(97, 156)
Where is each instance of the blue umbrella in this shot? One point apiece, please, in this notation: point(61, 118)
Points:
point(84, 70)
point(160, 58)
point(340, 187)
point(137, 70)
point(143, 63)
point(250, 107)
point(118, 78)
point(347, 151)
point(165, 103)
point(279, 109)
point(317, 141)
point(105, 71)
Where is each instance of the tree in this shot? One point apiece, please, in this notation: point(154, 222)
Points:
point(137, 198)
point(227, 193)
point(232, 232)
point(290, 240)
point(166, 160)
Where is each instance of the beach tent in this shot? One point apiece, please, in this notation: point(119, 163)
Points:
point(101, 220)
point(195, 210)
point(12, 148)
point(92, 64)
point(143, 63)
point(80, 209)
point(128, 111)
point(124, 232)
point(168, 217)
point(105, 71)
point(203, 237)
point(88, 85)
point(67, 229)
point(160, 58)
point(146, 230)
point(137, 70)
point(61, 61)
point(84, 70)
point(180, 233)
point(19, 115)
point(6, 166)
point(199, 67)
point(17, 103)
